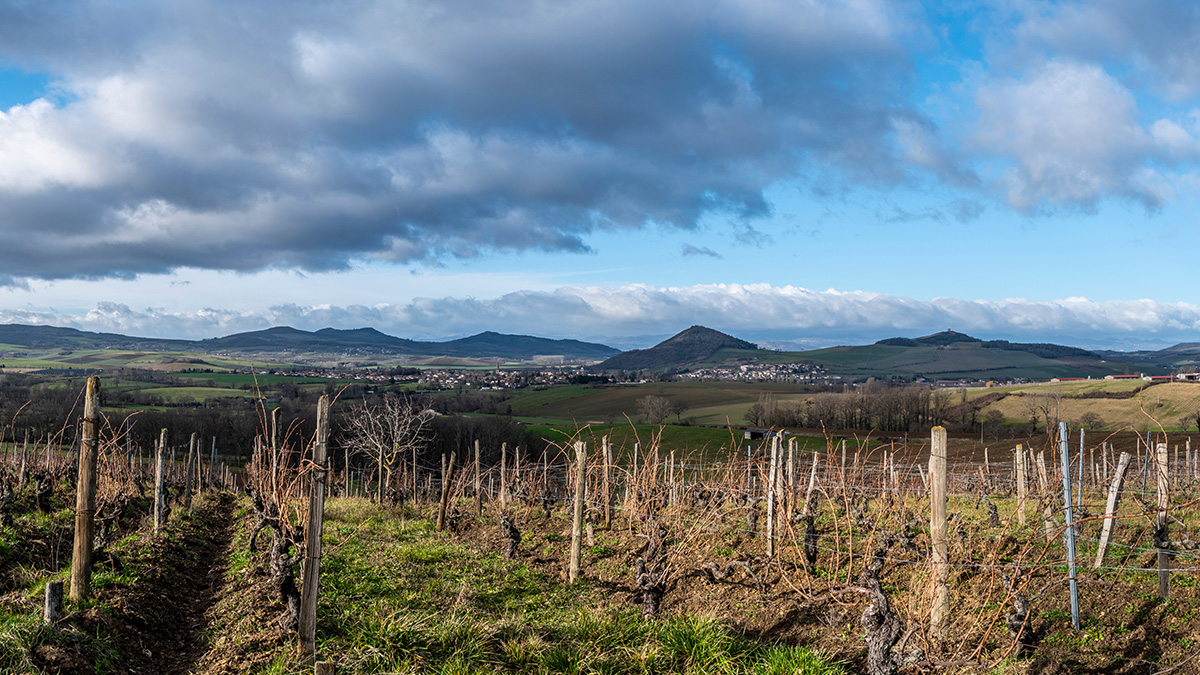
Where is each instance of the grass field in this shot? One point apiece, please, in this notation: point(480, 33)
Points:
point(708, 402)
point(1162, 404)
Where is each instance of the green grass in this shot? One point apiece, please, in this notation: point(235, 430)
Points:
point(398, 597)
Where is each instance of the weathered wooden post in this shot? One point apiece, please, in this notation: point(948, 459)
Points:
point(937, 530)
point(1110, 510)
point(444, 502)
point(577, 519)
point(52, 609)
point(188, 473)
point(1064, 454)
point(606, 478)
point(791, 479)
point(274, 450)
point(312, 533)
point(503, 476)
point(771, 487)
point(160, 486)
point(1021, 489)
point(478, 492)
point(812, 485)
point(414, 474)
point(85, 494)
point(1079, 497)
point(25, 455)
point(1161, 540)
point(212, 467)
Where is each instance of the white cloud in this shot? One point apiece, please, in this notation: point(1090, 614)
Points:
point(1072, 135)
point(751, 311)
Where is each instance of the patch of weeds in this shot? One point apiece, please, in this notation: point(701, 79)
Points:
point(554, 537)
point(1055, 615)
point(601, 551)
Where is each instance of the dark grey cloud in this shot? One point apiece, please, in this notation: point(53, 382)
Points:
point(704, 251)
point(239, 136)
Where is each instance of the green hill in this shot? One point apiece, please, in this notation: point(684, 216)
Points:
point(691, 346)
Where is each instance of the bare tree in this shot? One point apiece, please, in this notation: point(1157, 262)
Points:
point(1092, 421)
point(386, 434)
point(654, 409)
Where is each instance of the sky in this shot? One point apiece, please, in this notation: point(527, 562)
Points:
point(797, 173)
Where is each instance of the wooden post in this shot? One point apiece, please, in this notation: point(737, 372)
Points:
point(812, 485)
point(25, 455)
point(312, 533)
point(1114, 498)
point(85, 495)
point(212, 467)
point(771, 487)
point(444, 502)
point(52, 610)
point(274, 451)
point(1079, 496)
point(606, 477)
point(1021, 489)
point(160, 487)
point(503, 476)
point(1064, 454)
point(577, 519)
point(791, 479)
point(671, 481)
point(478, 492)
point(937, 530)
point(1160, 524)
point(517, 470)
point(189, 468)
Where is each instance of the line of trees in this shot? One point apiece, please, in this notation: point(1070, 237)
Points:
point(872, 405)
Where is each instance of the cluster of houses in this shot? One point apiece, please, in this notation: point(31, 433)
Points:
point(762, 372)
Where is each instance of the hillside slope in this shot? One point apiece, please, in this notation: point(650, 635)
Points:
point(690, 346)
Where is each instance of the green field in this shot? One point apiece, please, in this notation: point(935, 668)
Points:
point(707, 402)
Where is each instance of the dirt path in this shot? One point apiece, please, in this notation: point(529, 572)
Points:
point(159, 623)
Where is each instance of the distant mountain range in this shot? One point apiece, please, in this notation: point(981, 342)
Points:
point(326, 340)
point(948, 355)
point(944, 355)
point(1185, 355)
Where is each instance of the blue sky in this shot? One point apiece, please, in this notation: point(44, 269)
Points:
point(800, 173)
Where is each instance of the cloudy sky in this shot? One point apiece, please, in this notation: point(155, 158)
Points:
point(801, 172)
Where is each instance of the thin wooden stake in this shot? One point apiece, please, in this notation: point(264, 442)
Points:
point(1021, 488)
point(1110, 510)
point(478, 491)
point(771, 489)
point(940, 611)
point(160, 488)
point(312, 534)
point(1160, 524)
point(85, 494)
point(503, 476)
point(444, 502)
point(577, 519)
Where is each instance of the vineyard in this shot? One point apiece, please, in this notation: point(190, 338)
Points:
point(370, 554)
